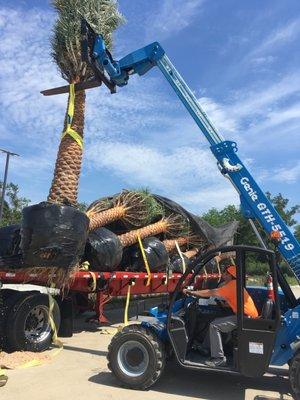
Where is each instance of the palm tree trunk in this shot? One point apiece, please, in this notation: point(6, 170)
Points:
point(129, 238)
point(170, 244)
point(68, 163)
point(191, 253)
point(105, 217)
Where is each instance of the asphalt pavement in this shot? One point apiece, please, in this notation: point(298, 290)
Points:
point(80, 371)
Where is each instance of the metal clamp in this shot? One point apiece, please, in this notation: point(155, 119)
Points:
point(229, 167)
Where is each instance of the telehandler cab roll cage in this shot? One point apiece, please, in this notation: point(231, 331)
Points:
point(261, 330)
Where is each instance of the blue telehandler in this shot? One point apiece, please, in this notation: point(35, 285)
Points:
point(137, 355)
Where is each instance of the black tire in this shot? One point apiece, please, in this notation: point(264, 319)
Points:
point(8, 299)
point(27, 327)
point(136, 357)
point(294, 375)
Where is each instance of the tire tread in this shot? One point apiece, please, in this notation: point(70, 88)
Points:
point(155, 343)
point(294, 372)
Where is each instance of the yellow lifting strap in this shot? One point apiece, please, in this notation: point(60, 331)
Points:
point(85, 266)
point(145, 260)
point(181, 256)
point(70, 131)
point(94, 278)
point(3, 378)
point(219, 272)
point(53, 326)
point(127, 305)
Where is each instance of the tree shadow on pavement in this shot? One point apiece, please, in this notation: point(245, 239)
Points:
point(207, 385)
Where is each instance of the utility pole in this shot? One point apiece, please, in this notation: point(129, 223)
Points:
point(8, 154)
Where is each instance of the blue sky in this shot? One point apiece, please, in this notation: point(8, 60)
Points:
point(242, 60)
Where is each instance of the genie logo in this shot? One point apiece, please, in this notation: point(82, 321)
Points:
point(252, 193)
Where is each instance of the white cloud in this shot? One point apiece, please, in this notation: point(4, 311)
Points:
point(142, 165)
point(288, 174)
point(171, 17)
point(280, 37)
point(257, 109)
point(263, 53)
point(218, 115)
point(25, 69)
point(282, 115)
point(34, 166)
point(185, 174)
point(262, 61)
point(204, 199)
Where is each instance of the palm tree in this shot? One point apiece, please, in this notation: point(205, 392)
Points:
point(135, 208)
point(173, 225)
point(104, 18)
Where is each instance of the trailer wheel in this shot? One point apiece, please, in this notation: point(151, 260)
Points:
point(136, 357)
point(8, 298)
point(294, 375)
point(28, 327)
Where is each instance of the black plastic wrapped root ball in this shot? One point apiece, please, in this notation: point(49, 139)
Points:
point(103, 250)
point(53, 235)
point(177, 264)
point(155, 251)
point(9, 240)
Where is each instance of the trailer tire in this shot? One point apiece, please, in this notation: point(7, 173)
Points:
point(294, 375)
point(28, 327)
point(8, 299)
point(136, 356)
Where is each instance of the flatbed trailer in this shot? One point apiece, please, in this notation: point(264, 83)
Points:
point(31, 307)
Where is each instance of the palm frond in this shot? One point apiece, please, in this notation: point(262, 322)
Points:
point(104, 18)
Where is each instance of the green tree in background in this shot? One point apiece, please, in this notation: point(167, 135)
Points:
point(245, 233)
point(281, 205)
point(297, 232)
point(13, 205)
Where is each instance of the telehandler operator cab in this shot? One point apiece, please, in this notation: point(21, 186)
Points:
point(248, 346)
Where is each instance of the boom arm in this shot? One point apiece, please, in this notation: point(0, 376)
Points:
point(254, 203)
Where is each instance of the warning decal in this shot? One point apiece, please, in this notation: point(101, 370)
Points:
point(256, 348)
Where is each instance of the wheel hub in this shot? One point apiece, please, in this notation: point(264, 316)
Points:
point(37, 327)
point(31, 322)
point(133, 358)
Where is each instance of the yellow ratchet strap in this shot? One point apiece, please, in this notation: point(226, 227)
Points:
point(85, 266)
point(145, 260)
point(94, 278)
point(3, 378)
point(181, 256)
point(70, 131)
point(219, 271)
point(127, 305)
point(53, 326)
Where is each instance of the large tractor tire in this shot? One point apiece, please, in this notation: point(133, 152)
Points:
point(28, 327)
point(136, 356)
point(294, 375)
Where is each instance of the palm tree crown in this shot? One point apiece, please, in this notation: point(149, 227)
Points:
point(104, 18)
